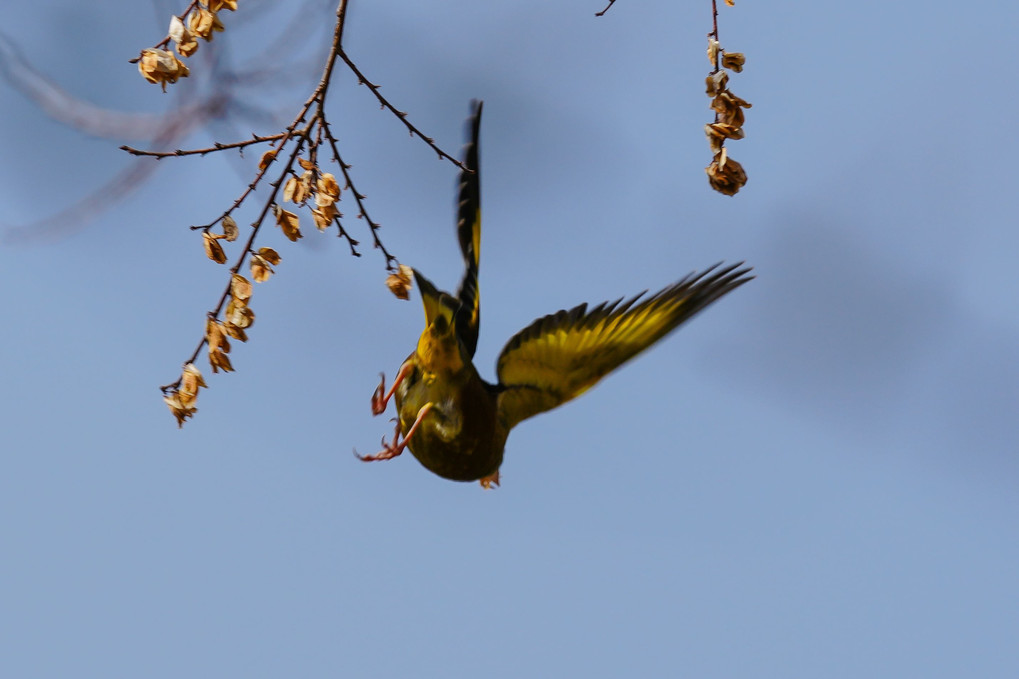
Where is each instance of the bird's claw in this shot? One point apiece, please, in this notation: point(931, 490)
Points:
point(379, 400)
point(491, 480)
point(389, 450)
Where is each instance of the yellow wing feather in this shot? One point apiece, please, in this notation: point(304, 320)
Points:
point(468, 229)
point(562, 355)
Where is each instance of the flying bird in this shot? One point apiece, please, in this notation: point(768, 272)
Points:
point(456, 423)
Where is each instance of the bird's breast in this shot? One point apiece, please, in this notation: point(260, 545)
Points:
point(458, 438)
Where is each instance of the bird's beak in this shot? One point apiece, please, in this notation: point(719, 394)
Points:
point(436, 303)
point(438, 346)
point(429, 297)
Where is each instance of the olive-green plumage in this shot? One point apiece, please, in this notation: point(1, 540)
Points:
point(453, 421)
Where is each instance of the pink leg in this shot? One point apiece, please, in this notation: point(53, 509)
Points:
point(380, 399)
point(391, 450)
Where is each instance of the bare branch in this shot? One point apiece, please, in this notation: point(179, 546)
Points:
point(217, 146)
point(401, 115)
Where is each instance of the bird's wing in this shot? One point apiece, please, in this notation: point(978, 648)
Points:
point(560, 356)
point(468, 229)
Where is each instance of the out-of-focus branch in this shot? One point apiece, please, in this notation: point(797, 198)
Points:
point(77, 113)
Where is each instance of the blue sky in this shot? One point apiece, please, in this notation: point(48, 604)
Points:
point(815, 477)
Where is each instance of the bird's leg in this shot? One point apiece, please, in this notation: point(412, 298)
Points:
point(380, 399)
point(491, 480)
point(391, 450)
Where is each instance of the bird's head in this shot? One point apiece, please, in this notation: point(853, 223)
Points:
point(439, 349)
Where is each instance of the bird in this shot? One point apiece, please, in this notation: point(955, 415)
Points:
point(454, 421)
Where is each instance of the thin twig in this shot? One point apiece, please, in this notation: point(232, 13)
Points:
point(714, 31)
point(166, 41)
point(256, 227)
point(358, 198)
point(217, 146)
point(402, 115)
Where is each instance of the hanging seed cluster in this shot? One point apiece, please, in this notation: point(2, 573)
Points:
point(724, 174)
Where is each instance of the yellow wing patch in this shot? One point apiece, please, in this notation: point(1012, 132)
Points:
point(562, 355)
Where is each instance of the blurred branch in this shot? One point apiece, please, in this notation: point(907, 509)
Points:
point(77, 113)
